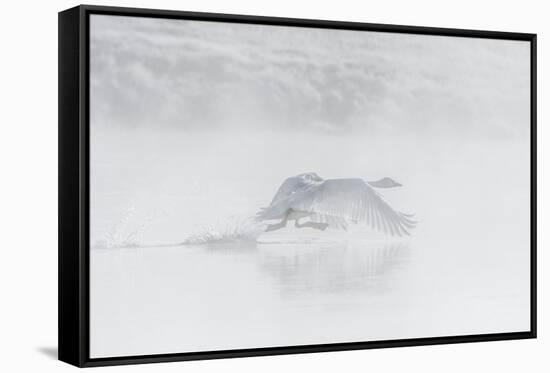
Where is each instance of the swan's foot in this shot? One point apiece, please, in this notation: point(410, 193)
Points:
point(311, 224)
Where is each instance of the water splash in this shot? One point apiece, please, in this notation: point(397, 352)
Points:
point(126, 233)
point(235, 230)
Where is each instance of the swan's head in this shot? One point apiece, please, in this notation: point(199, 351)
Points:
point(385, 182)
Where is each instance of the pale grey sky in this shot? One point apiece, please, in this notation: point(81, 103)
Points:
point(207, 75)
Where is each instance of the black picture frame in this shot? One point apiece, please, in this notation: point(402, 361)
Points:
point(74, 194)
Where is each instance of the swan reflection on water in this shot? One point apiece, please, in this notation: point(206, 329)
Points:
point(316, 266)
point(335, 268)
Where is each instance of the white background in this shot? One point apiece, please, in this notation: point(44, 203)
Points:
point(28, 195)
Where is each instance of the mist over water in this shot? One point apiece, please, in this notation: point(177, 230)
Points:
point(178, 264)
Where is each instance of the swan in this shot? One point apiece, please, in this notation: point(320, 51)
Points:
point(333, 203)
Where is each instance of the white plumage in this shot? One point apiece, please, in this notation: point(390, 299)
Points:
point(335, 203)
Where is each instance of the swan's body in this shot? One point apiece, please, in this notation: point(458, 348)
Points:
point(333, 203)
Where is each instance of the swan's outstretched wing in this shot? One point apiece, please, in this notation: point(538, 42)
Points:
point(355, 200)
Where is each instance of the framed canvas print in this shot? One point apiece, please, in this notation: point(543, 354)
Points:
point(238, 186)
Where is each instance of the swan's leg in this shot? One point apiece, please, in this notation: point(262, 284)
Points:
point(280, 225)
point(311, 224)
